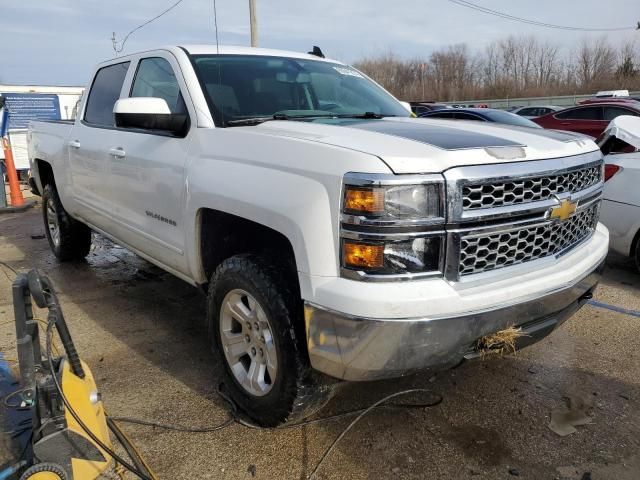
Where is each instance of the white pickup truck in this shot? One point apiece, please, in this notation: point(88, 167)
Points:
point(335, 235)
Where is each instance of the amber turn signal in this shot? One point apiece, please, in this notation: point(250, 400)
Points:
point(362, 255)
point(364, 200)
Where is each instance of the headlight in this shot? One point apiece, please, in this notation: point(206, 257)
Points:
point(394, 201)
point(417, 255)
point(392, 225)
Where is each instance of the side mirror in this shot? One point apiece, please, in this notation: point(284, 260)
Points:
point(149, 113)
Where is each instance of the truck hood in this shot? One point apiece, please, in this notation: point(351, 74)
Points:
point(421, 145)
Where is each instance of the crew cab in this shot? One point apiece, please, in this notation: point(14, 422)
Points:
point(336, 236)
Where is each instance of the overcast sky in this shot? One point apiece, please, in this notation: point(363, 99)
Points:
point(55, 42)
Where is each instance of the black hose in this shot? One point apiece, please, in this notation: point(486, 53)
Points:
point(130, 449)
point(73, 413)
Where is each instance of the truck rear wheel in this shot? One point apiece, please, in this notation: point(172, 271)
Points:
point(252, 312)
point(68, 238)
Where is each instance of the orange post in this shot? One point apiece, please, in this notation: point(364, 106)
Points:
point(15, 194)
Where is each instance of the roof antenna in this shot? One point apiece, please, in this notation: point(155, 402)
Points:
point(215, 23)
point(316, 51)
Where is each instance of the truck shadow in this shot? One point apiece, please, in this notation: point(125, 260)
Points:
point(142, 330)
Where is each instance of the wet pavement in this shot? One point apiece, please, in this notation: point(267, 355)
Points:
point(141, 332)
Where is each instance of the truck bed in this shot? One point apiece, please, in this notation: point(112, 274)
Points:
point(47, 140)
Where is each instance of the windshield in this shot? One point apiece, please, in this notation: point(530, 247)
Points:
point(244, 86)
point(509, 118)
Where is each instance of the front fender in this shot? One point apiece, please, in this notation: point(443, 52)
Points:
point(289, 185)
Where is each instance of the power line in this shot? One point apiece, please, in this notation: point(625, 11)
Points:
point(215, 23)
point(126, 37)
point(480, 8)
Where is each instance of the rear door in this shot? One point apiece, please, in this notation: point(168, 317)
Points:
point(588, 120)
point(148, 167)
point(88, 146)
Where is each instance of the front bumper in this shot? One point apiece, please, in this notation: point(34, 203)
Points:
point(359, 348)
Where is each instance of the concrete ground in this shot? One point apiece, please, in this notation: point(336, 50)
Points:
point(141, 332)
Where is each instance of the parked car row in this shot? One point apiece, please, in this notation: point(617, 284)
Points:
point(482, 115)
point(590, 117)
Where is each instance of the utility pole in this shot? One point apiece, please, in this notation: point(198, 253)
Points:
point(254, 23)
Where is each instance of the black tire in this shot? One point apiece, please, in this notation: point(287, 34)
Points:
point(637, 254)
point(73, 240)
point(296, 391)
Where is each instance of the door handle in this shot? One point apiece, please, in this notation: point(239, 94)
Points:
point(74, 143)
point(565, 123)
point(117, 152)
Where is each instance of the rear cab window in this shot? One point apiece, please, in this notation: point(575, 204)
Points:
point(104, 92)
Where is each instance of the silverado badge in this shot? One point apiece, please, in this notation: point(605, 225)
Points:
point(563, 211)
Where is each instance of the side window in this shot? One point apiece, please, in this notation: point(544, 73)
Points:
point(527, 112)
point(468, 116)
point(448, 115)
point(104, 93)
point(585, 113)
point(155, 78)
point(612, 112)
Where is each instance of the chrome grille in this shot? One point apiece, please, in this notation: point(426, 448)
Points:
point(496, 250)
point(523, 190)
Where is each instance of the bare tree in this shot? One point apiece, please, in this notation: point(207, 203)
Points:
point(511, 67)
point(596, 62)
point(628, 69)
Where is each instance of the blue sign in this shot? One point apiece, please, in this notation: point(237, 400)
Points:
point(24, 107)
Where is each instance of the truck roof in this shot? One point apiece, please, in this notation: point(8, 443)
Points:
point(207, 49)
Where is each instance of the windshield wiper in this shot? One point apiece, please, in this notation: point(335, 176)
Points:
point(248, 121)
point(363, 115)
point(275, 116)
point(282, 116)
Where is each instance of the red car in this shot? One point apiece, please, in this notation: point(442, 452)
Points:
point(590, 119)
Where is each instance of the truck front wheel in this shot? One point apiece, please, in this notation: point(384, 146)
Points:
point(252, 313)
point(68, 238)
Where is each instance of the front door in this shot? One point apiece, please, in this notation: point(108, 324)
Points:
point(148, 170)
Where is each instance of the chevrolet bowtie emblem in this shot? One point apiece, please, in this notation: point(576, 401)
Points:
point(563, 211)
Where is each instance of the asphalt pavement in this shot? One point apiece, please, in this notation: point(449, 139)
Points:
point(141, 332)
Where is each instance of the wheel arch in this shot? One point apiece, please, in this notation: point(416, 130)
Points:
point(44, 173)
point(221, 235)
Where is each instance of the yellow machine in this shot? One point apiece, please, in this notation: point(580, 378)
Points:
point(70, 439)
